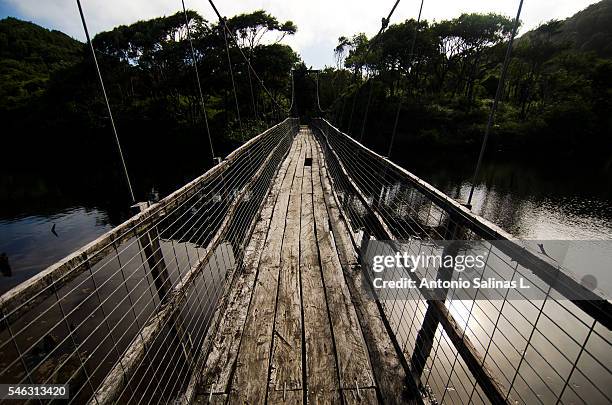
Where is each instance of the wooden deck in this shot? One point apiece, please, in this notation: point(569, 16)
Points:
point(297, 325)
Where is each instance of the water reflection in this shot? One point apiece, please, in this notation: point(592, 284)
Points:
point(81, 204)
point(528, 200)
point(30, 245)
point(530, 217)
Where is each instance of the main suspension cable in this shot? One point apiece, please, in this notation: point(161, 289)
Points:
point(322, 111)
point(110, 113)
point(498, 92)
point(384, 24)
point(317, 88)
point(328, 109)
point(197, 74)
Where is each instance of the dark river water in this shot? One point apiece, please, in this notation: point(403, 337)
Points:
point(529, 199)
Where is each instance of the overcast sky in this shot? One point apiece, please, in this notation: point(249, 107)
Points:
point(319, 22)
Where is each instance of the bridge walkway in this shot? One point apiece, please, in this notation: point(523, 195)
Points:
point(297, 325)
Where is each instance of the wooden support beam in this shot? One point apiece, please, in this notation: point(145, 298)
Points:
point(475, 363)
point(425, 336)
point(149, 240)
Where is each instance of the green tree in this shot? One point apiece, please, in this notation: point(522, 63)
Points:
point(250, 28)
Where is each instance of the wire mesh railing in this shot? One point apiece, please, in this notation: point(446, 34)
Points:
point(124, 319)
point(553, 346)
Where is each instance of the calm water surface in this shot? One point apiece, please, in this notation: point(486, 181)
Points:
point(529, 201)
point(31, 245)
point(532, 200)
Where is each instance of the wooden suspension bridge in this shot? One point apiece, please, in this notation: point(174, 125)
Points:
point(251, 285)
point(246, 286)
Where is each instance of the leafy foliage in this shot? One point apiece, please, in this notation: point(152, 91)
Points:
point(29, 55)
point(50, 87)
point(252, 27)
point(556, 100)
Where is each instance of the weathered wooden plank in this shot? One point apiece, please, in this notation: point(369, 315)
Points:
point(360, 396)
point(320, 361)
point(206, 398)
point(264, 211)
point(249, 382)
point(352, 353)
point(221, 360)
point(483, 376)
point(286, 358)
point(295, 397)
point(114, 380)
point(321, 371)
point(389, 374)
point(322, 396)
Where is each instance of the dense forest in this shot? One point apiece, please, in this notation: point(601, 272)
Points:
point(556, 102)
point(54, 116)
point(49, 87)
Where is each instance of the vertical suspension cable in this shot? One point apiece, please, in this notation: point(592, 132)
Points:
point(110, 113)
point(399, 103)
point(317, 88)
point(292, 93)
point(231, 71)
point(498, 92)
point(365, 114)
point(197, 74)
point(384, 25)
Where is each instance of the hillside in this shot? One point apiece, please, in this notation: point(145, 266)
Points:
point(29, 55)
point(589, 30)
